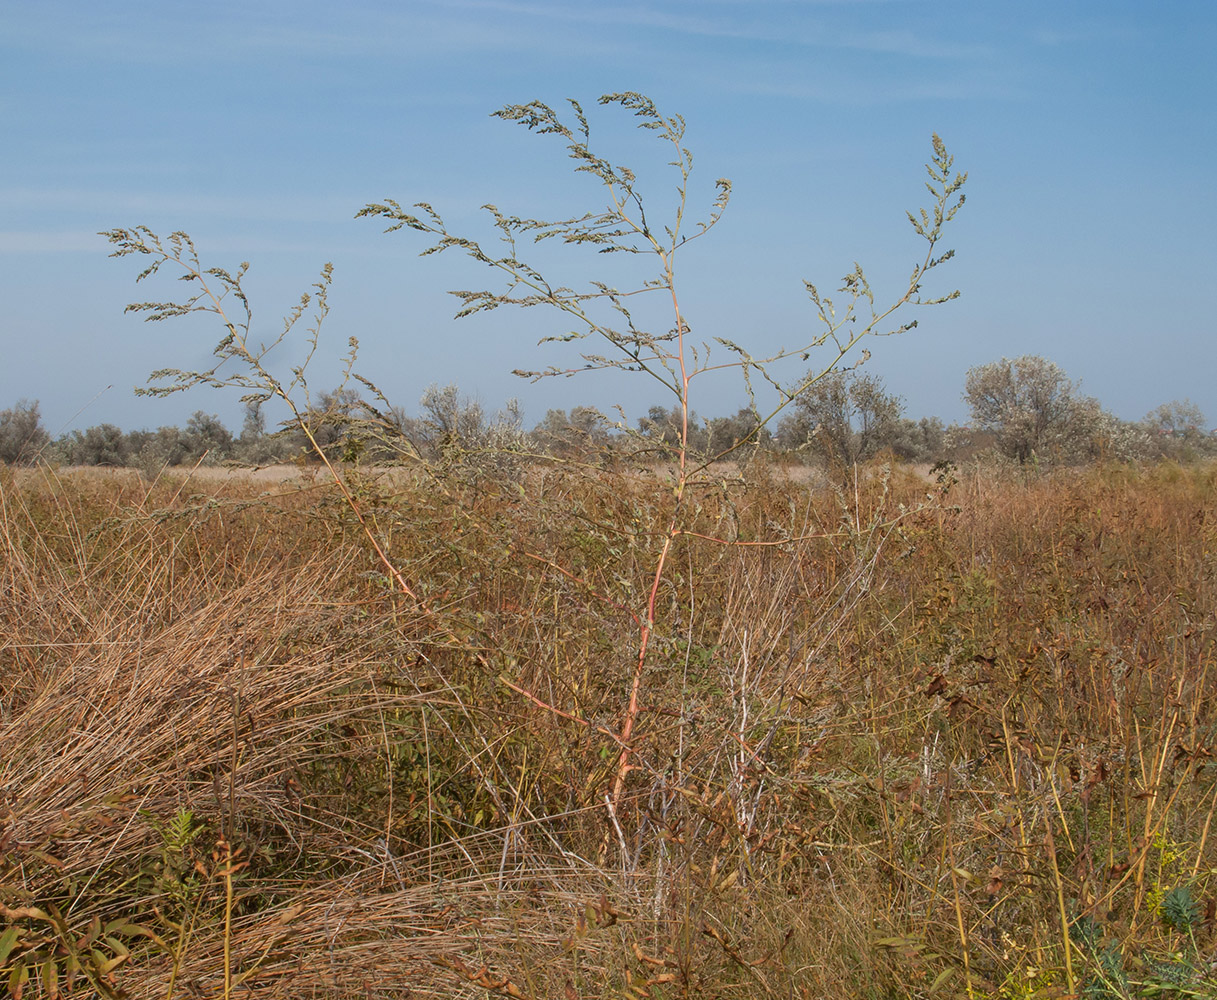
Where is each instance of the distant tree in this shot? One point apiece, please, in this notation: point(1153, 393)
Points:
point(207, 438)
point(22, 436)
point(104, 444)
point(583, 431)
point(155, 450)
point(664, 428)
point(589, 422)
point(662, 425)
point(399, 437)
point(1028, 403)
point(253, 427)
point(257, 447)
point(504, 442)
point(1121, 440)
point(744, 428)
point(1091, 434)
point(449, 420)
point(921, 440)
point(1178, 418)
point(1177, 430)
point(334, 419)
point(553, 433)
point(844, 418)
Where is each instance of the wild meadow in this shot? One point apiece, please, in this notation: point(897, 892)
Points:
point(635, 718)
point(931, 742)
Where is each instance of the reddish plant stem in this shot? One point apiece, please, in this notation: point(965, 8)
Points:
point(648, 625)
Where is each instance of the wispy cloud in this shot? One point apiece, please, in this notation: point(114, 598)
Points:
point(1089, 32)
point(166, 35)
point(421, 29)
point(909, 43)
point(853, 93)
point(743, 21)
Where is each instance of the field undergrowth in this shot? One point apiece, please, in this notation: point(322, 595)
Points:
point(888, 744)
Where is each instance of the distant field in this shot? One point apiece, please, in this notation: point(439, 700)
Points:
point(313, 473)
point(891, 742)
point(202, 473)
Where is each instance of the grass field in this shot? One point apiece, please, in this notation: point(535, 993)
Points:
point(892, 741)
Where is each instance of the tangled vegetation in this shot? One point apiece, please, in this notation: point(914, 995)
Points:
point(967, 750)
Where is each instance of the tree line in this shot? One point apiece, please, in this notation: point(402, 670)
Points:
point(1024, 410)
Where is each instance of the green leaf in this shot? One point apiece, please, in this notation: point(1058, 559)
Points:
point(17, 980)
point(117, 946)
point(107, 966)
point(899, 942)
point(91, 934)
point(50, 978)
point(8, 941)
point(127, 929)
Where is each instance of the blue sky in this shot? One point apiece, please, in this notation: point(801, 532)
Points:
point(1089, 130)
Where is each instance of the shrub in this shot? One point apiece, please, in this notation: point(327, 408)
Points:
point(1178, 430)
point(923, 440)
point(207, 439)
point(582, 434)
point(22, 436)
point(104, 444)
point(843, 418)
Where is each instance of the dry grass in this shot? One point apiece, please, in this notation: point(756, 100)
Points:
point(896, 755)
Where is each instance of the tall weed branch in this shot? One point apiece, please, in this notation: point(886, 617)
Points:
point(668, 357)
point(240, 364)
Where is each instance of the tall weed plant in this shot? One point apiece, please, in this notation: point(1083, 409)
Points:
point(586, 738)
point(668, 356)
